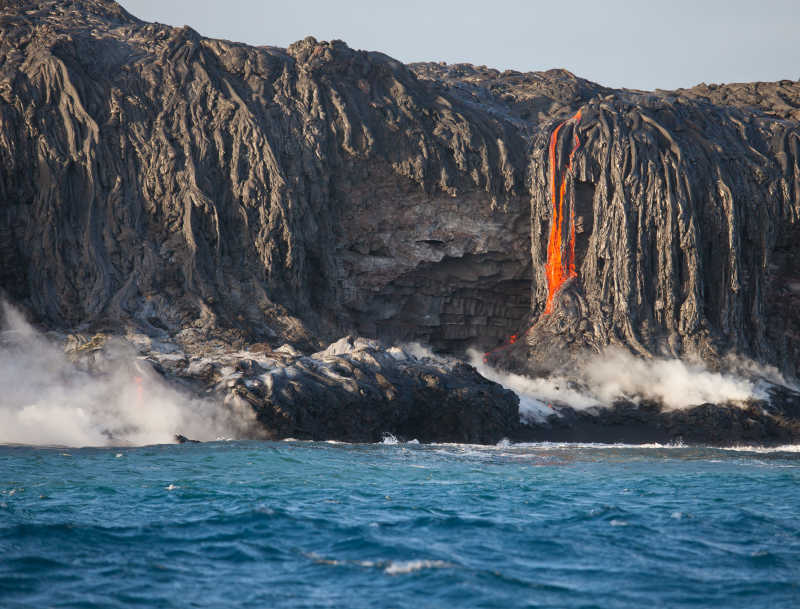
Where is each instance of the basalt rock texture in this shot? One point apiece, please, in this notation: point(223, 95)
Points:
point(359, 391)
point(680, 222)
point(155, 176)
point(203, 190)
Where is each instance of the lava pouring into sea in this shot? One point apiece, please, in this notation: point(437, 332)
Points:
point(557, 269)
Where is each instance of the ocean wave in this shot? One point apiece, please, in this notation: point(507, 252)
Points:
point(505, 445)
point(409, 566)
point(390, 567)
point(784, 448)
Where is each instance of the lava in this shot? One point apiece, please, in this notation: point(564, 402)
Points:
point(556, 268)
point(558, 271)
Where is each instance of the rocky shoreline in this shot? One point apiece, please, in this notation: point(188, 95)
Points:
point(360, 390)
point(226, 213)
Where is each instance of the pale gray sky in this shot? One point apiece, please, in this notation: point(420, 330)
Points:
point(622, 43)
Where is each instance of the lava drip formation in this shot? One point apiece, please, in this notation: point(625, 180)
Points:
point(557, 269)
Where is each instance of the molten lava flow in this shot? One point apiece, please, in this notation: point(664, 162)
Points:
point(557, 270)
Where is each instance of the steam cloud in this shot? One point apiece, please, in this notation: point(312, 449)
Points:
point(617, 374)
point(46, 399)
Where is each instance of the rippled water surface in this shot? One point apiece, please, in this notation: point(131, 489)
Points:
point(242, 524)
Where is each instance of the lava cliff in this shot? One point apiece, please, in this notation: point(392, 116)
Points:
point(186, 186)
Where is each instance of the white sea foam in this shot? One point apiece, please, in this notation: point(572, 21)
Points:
point(390, 567)
point(476, 449)
point(45, 399)
point(389, 439)
point(784, 448)
point(409, 566)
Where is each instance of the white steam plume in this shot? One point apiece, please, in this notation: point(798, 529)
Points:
point(674, 382)
point(616, 374)
point(419, 350)
point(45, 399)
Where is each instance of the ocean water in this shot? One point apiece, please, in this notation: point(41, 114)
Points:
point(296, 524)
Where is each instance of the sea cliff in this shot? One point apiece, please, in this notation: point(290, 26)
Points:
point(231, 201)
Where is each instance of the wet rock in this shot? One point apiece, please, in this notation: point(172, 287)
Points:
point(357, 390)
point(774, 421)
point(184, 440)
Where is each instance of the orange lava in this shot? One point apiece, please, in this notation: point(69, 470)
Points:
point(557, 269)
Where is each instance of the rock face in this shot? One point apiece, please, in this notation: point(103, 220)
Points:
point(685, 223)
point(357, 390)
point(767, 422)
point(185, 186)
point(150, 174)
point(360, 390)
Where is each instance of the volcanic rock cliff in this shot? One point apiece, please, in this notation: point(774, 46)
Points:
point(152, 174)
point(193, 188)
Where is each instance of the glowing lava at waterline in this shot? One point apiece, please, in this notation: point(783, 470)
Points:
point(557, 269)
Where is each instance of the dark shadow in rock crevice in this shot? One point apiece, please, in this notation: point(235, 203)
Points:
point(477, 300)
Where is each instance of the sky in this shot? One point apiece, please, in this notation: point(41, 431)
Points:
point(643, 44)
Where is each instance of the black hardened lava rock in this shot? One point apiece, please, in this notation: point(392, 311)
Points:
point(149, 175)
point(212, 193)
point(358, 390)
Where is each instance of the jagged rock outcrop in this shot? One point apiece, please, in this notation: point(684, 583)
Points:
point(213, 193)
point(355, 390)
point(358, 390)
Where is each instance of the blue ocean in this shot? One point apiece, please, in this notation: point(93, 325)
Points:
point(300, 524)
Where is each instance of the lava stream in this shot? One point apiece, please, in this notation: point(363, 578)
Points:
point(558, 271)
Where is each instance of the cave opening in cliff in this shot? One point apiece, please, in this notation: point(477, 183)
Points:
point(472, 301)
